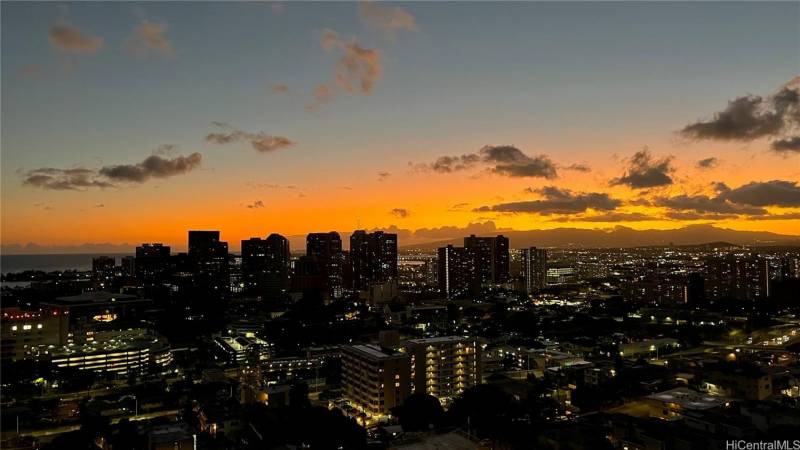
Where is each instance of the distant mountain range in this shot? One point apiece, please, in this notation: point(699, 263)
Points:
point(559, 237)
point(627, 237)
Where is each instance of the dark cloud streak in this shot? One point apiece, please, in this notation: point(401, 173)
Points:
point(557, 201)
point(645, 171)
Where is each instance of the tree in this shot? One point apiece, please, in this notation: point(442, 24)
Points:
point(484, 409)
point(420, 412)
point(298, 395)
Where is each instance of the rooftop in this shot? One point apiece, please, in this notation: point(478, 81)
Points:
point(94, 297)
point(373, 351)
point(438, 340)
point(689, 399)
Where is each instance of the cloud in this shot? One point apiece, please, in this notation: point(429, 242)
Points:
point(577, 167)
point(80, 178)
point(273, 186)
point(277, 7)
point(32, 248)
point(785, 216)
point(766, 193)
point(706, 204)
point(447, 164)
point(383, 175)
point(154, 166)
point(256, 204)
point(458, 207)
point(74, 179)
point(607, 217)
point(747, 200)
point(512, 162)
point(557, 201)
point(322, 94)
point(447, 232)
point(149, 37)
point(43, 206)
point(679, 215)
point(644, 171)
point(400, 213)
point(280, 88)
point(357, 69)
point(261, 142)
point(751, 117)
point(386, 19)
point(503, 160)
point(69, 39)
point(787, 146)
point(99, 205)
point(707, 163)
point(165, 149)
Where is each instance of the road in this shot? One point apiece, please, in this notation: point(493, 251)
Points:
point(54, 431)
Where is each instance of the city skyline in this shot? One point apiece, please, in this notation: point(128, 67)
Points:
point(133, 123)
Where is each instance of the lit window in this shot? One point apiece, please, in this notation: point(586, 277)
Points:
point(38, 326)
point(26, 327)
point(13, 328)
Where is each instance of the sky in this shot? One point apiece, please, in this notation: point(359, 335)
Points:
point(135, 122)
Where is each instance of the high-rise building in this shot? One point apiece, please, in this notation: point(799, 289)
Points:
point(210, 256)
point(277, 268)
point(789, 267)
point(308, 278)
point(490, 258)
point(103, 268)
point(742, 276)
point(466, 270)
point(444, 366)
point(374, 379)
point(373, 258)
point(325, 250)
point(128, 264)
point(236, 282)
point(454, 271)
point(181, 273)
point(23, 333)
point(152, 263)
point(265, 265)
point(254, 261)
point(534, 269)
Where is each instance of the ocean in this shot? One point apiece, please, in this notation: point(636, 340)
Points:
point(49, 263)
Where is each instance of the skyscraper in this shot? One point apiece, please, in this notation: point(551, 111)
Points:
point(210, 256)
point(325, 250)
point(277, 268)
point(265, 265)
point(490, 258)
point(152, 263)
point(254, 261)
point(466, 270)
point(534, 269)
point(103, 268)
point(741, 276)
point(128, 264)
point(454, 271)
point(373, 258)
